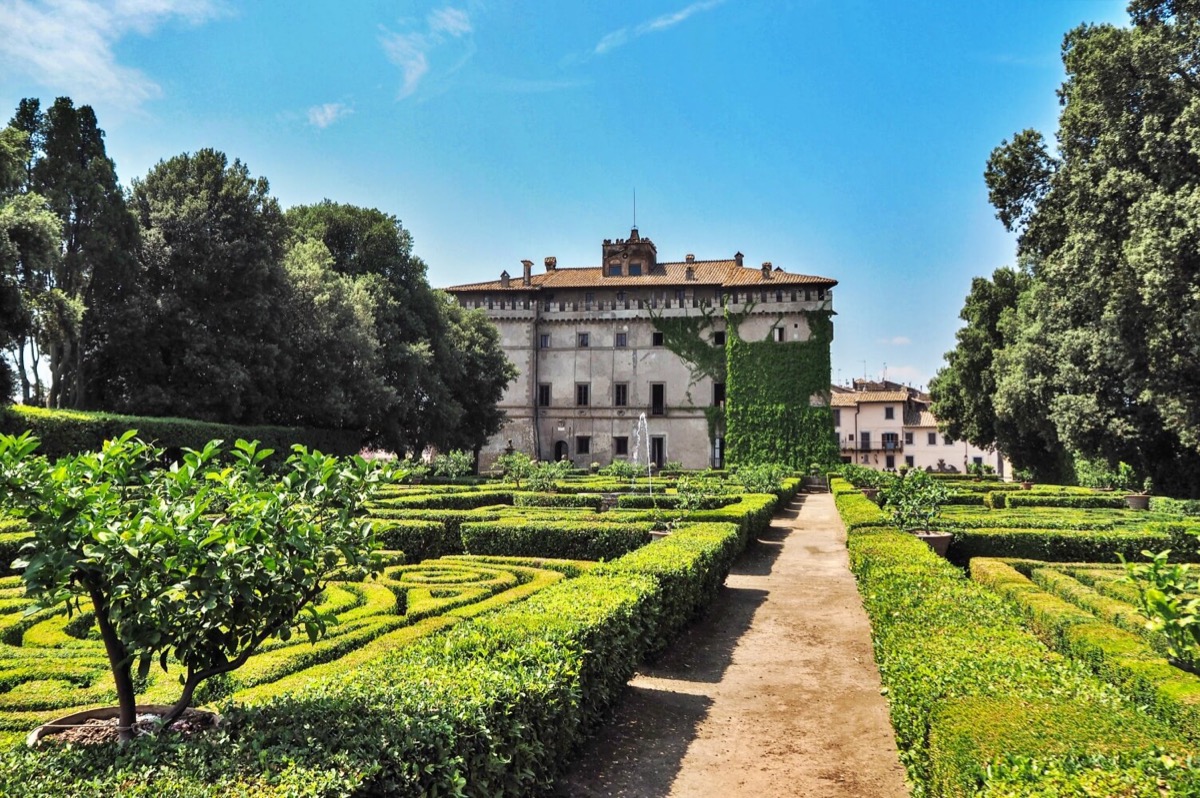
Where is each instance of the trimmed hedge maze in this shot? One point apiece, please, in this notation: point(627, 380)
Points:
point(476, 669)
point(980, 704)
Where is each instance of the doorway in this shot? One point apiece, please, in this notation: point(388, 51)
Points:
point(658, 450)
point(560, 450)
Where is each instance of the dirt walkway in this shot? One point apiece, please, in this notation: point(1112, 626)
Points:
point(774, 693)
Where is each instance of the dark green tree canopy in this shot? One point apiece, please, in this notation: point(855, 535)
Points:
point(1108, 343)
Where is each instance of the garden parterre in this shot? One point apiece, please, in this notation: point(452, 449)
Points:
point(980, 705)
point(473, 672)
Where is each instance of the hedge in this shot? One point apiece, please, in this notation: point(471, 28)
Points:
point(690, 564)
point(66, 432)
point(1121, 657)
point(668, 501)
point(856, 509)
point(752, 512)
point(419, 540)
point(1093, 501)
point(1161, 504)
point(590, 501)
point(464, 500)
point(953, 656)
point(1054, 545)
point(560, 539)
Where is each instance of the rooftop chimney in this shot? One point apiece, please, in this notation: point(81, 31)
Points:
point(551, 264)
point(504, 279)
point(527, 278)
point(766, 270)
point(738, 258)
point(690, 258)
point(689, 273)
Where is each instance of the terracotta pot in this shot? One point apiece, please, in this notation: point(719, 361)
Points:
point(938, 541)
point(871, 493)
point(1137, 501)
point(1026, 485)
point(34, 738)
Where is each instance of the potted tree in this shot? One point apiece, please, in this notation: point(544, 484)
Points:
point(1140, 501)
point(1025, 477)
point(915, 501)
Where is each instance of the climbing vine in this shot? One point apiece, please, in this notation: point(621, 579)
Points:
point(771, 414)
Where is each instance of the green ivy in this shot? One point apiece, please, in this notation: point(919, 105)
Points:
point(684, 336)
point(768, 386)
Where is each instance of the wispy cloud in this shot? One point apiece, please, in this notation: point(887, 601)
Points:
point(322, 116)
point(899, 340)
point(67, 45)
point(623, 36)
point(412, 51)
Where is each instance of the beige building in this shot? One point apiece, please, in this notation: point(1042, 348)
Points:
point(592, 354)
point(885, 425)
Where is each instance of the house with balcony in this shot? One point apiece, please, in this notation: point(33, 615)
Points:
point(593, 356)
point(885, 425)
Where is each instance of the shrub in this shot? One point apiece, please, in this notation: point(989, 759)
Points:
point(916, 500)
point(454, 464)
point(563, 539)
point(419, 540)
point(620, 469)
point(764, 478)
point(545, 476)
point(1035, 499)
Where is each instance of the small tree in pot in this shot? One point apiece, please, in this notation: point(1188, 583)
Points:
point(199, 563)
point(915, 501)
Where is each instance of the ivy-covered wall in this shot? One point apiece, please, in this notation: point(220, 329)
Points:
point(768, 387)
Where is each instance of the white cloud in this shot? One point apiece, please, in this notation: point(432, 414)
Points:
point(411, 51)
point(899, 340)
point(622, 36)
point(67, 45)
point(323, 116)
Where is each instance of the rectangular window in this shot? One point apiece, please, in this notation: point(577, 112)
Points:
point(635, 269)
point(719, 338)
point(583, 394)
point(908, 438)
point(614, 269)
point(658, 400)
point(889, 412)
point(544, 341)
point(977, 460)
point(544, 394)
point(583, 444)
point(777, 334)
point(864, 441)
point(933, 439)
point(947, 440)
point(890, 462)
point(589, 297)
point(620, 394)
point(621, 340)
point(583, 340)
point(909, 461)
point(657, 339)
point(837, 418)
point(621, 445)
point(718, 394)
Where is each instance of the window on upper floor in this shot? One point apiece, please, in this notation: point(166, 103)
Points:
point(621, 339)
point(889, 412)
point(718, 338)
point(947, 440)
point(544, 341)
point(621, 394)
point(777, 334)
point(635, 269)
point(718, 394)
point(544, 394)
point(932, 439)
point(614, 269)
point(837, 417)
point(583, 340)
point(908, 438)
point(583, 394)
point(657, 339)
point(589, 297)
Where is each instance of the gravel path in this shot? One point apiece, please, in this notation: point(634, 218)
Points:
point(775, 693)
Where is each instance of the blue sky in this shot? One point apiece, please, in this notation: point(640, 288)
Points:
point(841, 139)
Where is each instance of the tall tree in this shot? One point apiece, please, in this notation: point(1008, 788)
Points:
point(1113, 222)
point(67, 165)
point(211, 250)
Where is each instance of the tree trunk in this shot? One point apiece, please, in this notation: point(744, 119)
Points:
point(118, 661)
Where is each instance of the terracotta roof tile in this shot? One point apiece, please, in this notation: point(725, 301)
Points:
point(725, 273)
point(859, 397)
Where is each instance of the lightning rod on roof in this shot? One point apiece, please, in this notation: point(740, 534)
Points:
point(635, 208)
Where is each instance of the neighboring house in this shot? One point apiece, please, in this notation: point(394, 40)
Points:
point(885, 425)
point(592, 354)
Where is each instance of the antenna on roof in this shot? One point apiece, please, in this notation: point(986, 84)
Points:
point(635, 207)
